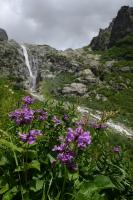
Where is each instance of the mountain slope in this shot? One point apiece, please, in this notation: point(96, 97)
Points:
point(121, 26)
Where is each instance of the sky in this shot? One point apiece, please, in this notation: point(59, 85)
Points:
point(59, 23)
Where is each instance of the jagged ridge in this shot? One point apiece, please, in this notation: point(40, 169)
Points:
point(120, 27)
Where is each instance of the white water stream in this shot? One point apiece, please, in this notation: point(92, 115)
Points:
point(117, 127)
point(32, 76)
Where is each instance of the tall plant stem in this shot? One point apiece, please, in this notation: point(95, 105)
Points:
point(26, 159)
point(64, 184)
point(16, 161)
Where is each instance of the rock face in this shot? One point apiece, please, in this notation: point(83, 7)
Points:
point(120, 27)
point(11, 61)
point(123, 25)
point(3, 35)
point(101, 42)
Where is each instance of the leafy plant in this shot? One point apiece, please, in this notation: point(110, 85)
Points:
point(54, 153)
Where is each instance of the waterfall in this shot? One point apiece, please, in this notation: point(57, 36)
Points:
point(32, 76)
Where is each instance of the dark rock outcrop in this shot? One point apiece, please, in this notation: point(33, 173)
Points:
point(101, 42)
point(123, 25)
point(3, 35)
point(120, 27)
point(12, 63)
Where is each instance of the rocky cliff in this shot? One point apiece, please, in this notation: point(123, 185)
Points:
point(3, 35)
point(81, 70)
point(120, 27)
point(12, 64)
point(46, 61)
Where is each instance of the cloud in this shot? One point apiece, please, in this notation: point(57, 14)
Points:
point(59, 23)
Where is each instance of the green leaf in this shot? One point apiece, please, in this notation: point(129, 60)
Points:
point(51, 158)
point(10, 145)
point(32, 154)
point(90, 189)
point(33, 165)
point(10, 193)
point(7, 196)
point(3, 161)
point(37, 185)
point(103, 182)
point(4, 189)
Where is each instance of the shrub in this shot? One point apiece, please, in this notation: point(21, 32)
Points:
point(50, 153)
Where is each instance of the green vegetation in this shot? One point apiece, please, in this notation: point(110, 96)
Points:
point(49, 85)
point(119, 93)
point(122, 50)
point(123, 63)
point(95, 168)
point(103, 170)
point(9, 98)
point(117, 85)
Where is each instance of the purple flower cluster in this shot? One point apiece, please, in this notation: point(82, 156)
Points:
point(41, 115)
point(65, 117)
point(80, 138)
point(30, 137)
point(84, 140)
point(66, 157)
point(59, 148)
point(56, 120)
point(116, 149)
point(22, 116)
point(79, 123)
point(28, 100)
point(98, 125)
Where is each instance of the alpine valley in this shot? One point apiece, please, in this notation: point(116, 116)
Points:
point(66, 117)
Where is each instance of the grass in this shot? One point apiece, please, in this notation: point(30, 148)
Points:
point(49, 85)
point(9, 98)
point(123, 50)
point(117, 100)
point(123, 63)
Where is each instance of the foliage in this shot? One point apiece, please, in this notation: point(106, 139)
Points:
point(54, 153)
point(122, 50)
point(9, 99)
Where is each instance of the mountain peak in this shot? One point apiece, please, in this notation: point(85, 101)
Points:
point(3, 35)
point(121, 26)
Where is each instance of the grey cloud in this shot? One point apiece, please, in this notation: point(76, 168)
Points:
point(59, 23)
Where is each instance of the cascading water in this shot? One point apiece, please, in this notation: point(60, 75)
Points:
point(32, 76)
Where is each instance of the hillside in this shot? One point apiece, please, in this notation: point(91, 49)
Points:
point(62, 117)
point(121, 26)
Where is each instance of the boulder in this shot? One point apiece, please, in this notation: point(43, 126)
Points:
point(86, 76)
point(86, 72)
point(101, 97)
point(126, 69)
point(75, 88)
